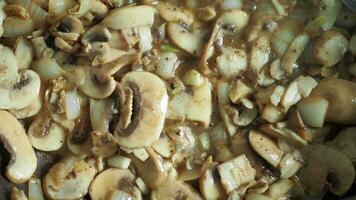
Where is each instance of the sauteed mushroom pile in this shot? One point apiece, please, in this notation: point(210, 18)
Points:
point(177, 99)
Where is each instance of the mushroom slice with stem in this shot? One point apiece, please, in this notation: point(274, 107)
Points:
point(148, 109)
point(209, 185)
point(174, 189)
point(190, 38)
point(95, 88)
point(265, 147)
point(114, 179)
point(28, 111)
point(337, 169)
point(23, 159)
point(22, 93)
point(68, 179)
point(104, 144)
point(341, 96)
point(129, 17)
point(154, 162)
point(45, 134)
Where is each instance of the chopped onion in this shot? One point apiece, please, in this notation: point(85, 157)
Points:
point(223, 89)
point(279, 7)
point(72, 105)
point(37, 13)
point(283, 36)
point(144, 33)
point(120, 195)
point(230, 4)
point(167, 64)
point(34, 189)
point(193, 78)
point(119, 161)
point(47, 68)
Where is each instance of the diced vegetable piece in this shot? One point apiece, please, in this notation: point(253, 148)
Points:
point(345, 141)
point(305, 85)
point(118, 161)
point(167, 64)
point(223, 89)
point(279, 189)
point(330, 48)
point(316, 25)
point(279, 7)
point(283, 36)
point(290, 164)
point(163, 146)
point(255, 196)
point(236, 172)
point(277, 95)
point(330, 9)
point(260, 53)
point(291, 95)
point(272, 113)
point(313, 110)
point(239, 90)
point(294, 51)
point(193, 78)
point(172, 13)
point(35, 189)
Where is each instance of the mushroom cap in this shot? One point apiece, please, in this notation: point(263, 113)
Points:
point(109, 180)
point(341, 96)
point(68, 179)
point(22, 93)
point(150, 101)
point(174, 189)
point(157, 174)
point(23, 159)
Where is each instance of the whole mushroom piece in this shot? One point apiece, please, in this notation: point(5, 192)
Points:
point(143, 112)
point(23, 159)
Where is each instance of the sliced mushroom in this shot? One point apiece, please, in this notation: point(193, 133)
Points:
point(190, 38)
point(68, 179)
point(45, 134)
point(129, 17)
point(174, 189)
point(209, 185)
point(22, 93)
point(265, 147)
point(295, 49)
point(326, 165)
point(149, 107)
point(47, 68)
point(30, 110)
point(330, 48)
point(95, 88)
point(280, 189)
point(154, 163)
point(16, 27)
point(114, 179)
point(23, 159)
point(194, 106)
point(172, 13)
point(97, 33)
point(24, 53)
point(69, 28)
point(17, 194)
point(79, 140)
point(104, 144)
point(290, 164)
point(346, 143)
point(260, 53)
point(232, 62)
point(341, 97)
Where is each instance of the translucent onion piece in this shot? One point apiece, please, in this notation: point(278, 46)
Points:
point(38, 15)
point(72, 105)
point(34, 189)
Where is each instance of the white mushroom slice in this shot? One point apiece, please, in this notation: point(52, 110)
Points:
point(236, 172)
point(290, 164)
point(79, 140)
point(104, 144)
point(15, 27)
point(279, 189)
point(246, 116)
point(324, 161)
point(172, 13)
point(23, 159)
point(68, 179)
point(283, 133)
point(265, 147)
point(24, 53)
point(174, 189)
point(95, 88)
point(47, 68)
point(194, 106)
point(114, 179)
point(8, 67)
point(330, 48)
point(45, 134)
point(233, 22)
point(98, 8)
point(232, 62)
point(22, 93)
point(313, 110)
point(154, 162)
point(129, 17)
point(97, 33)
point(295, 49)
point(164, 147)
point(260, 53)
point(30, 110)
point(187, 37)
point(149, 108)
point(167, 64)
point(209, 185)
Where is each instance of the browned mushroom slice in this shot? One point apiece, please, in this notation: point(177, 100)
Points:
point(154, 163)
point(172, 13)
point(68, 179)
point(146, 111)
point(209, 185)
point(341, 96)
point(174, 189)
point(114, 179)
point(23, 159)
